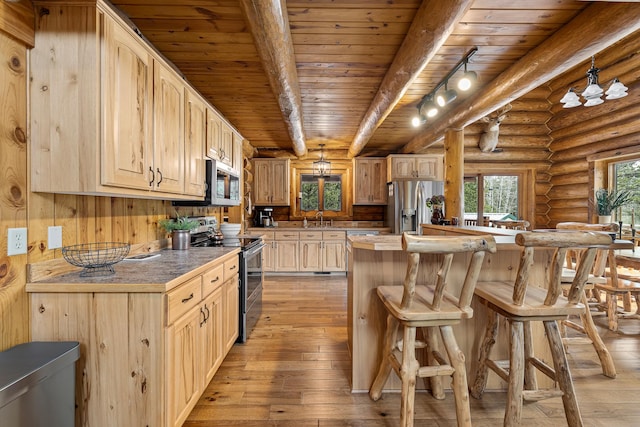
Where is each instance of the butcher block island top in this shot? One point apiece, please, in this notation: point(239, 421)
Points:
point(156, 274)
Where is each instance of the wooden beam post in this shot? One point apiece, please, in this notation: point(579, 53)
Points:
point(269, 25)
point(597, 27)
point(454, 173)
point(431, 27)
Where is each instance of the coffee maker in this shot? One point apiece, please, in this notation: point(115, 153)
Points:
point(263, 217)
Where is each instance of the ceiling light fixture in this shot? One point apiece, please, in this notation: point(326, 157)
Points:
point(427, 108)
point(592, 94)
point(321, 167)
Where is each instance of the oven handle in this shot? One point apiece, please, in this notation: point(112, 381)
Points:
point(254, 250)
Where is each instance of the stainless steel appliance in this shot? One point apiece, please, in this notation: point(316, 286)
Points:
point(263, 217)
point(222, 187)
point(406, 204)
point(251, 275)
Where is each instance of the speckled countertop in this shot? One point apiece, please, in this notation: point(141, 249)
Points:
point(157, 274)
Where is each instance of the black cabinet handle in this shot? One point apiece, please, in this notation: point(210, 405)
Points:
point(159, 173)
point(190, 297)
point(153, 177)
point(215, 280)
point(204, 317)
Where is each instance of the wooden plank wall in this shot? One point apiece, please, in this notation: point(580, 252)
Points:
point(587, 131)
point(16, 33)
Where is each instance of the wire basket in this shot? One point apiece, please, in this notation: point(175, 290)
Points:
point(96, 259)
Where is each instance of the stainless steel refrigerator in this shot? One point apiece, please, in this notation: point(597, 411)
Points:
point(406, 204)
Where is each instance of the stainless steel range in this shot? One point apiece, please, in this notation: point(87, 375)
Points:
point(251, 275)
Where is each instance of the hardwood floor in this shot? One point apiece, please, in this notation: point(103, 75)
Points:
point(294, 371)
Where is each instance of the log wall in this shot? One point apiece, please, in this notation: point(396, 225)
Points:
point(578, 133)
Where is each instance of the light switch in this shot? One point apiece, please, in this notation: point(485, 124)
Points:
point(54, 239)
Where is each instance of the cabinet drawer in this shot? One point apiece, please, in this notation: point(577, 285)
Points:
point(183, 298)
point(268, 235)
point(334, 235)
point(231, 268)
point(212, 279)
point(311, 235)
point(287, 235)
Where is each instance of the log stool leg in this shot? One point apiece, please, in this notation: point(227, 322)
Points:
point(482, 371)
point(612, 311)
point(408, 375)
point(437, 390)
point(513, 412)
point(530, 381)
point(606, 361)
point(563, 375)
point(390, 337)
point(459, 384)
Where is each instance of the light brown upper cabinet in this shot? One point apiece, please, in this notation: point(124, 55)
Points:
point(369, 181)
point(409, 166)
point(195, 136)
point(108, 114)
point(219, 138)
point(271, 182)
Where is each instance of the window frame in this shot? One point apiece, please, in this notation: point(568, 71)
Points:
point(336, 169)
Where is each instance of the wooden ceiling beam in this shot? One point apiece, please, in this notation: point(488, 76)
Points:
point(597, 27)
point(269, 25)
point(431, 27)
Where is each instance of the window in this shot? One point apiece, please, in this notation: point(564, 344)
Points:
point(626, 177)
point(495, 196)
point(321, 193)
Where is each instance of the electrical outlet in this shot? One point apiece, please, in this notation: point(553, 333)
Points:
point(16, 241)
point(54, 238)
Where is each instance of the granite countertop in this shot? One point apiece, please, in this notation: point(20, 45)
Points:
point(156, 274)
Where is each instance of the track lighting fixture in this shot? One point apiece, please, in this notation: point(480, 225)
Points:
point(592, 94)
point(427, 108)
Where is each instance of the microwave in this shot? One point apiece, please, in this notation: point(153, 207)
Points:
point(222, 187)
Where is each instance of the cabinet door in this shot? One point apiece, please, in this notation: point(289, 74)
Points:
point(212, 335)
point(370, 182)
point(168, 116)
point(269, 255)
point(128, 73)
point(262, 182)
point(185, 377)
point(195, 135)
point(402, 167)
point(334, 256)
point(231, 312)
point(280, 183)
point(226, 145)
point(214, 134)
point(237, 153)
point(287, 255)
point(310, 255)
point(430, 167)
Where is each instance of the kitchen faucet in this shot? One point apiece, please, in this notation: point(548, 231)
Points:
point(319, 214)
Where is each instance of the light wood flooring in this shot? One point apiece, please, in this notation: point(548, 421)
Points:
point(294, 372)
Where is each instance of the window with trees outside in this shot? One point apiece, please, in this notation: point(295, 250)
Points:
point(321, 193)
point(626, 177)
point(492, 196)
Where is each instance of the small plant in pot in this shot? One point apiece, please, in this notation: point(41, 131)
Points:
point(608, 201)
point(179, 229)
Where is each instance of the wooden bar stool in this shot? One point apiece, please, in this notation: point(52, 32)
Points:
point(524, 302)
point(442, 301)
point(587, 325)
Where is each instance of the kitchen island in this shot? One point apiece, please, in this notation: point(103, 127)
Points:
point(151, 336)
point(379, 260)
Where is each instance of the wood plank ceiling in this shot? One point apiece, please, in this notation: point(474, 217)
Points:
point(357, 83)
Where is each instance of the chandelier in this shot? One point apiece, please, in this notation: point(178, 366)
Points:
point(592, 95)
point(321, 167)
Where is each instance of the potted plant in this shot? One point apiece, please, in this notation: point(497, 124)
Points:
point(608, 201)
point(179, 229)
point(436, 204)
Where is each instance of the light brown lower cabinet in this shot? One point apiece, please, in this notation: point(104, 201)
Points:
point(146, 357)
point(304, 251)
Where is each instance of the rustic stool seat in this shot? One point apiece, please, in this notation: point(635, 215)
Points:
point(440, 301)
point(535, 299)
